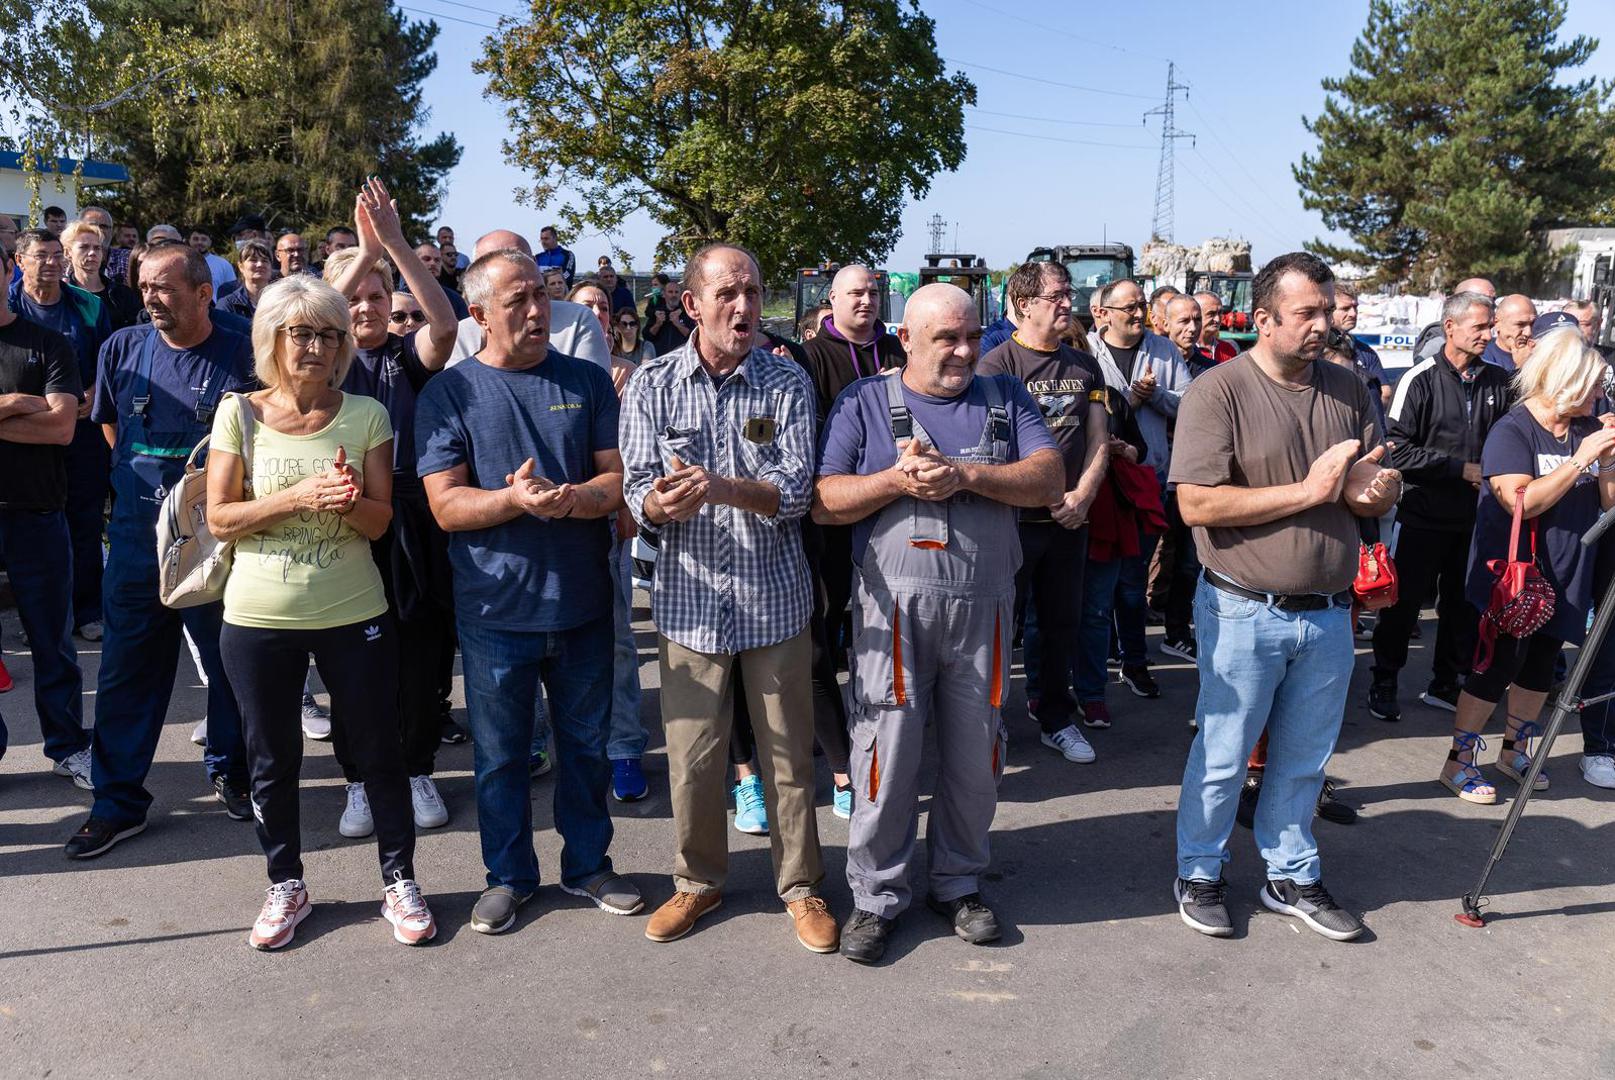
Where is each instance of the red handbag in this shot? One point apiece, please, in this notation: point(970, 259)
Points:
point(1522, 600)
point(1375, 586)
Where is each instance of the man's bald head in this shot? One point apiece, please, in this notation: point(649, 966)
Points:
point(854, 302)
point(499, 240)
point(1477, 285)
point(942, 334)
point(938, 299)
point(1515, 314)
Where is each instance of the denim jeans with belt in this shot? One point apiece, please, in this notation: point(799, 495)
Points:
point(1262, 668)
point(503, 670)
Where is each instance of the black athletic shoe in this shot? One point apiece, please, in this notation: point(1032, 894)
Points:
point(863, 937)
point(1441, 697)
point(1248, 796)
point(1202, 906)
point(1313, 905)
point(236, 803)
point(1382, 698)
point(1331, 808)
point(99, 835)
point(972, 920)
point(1182, 648)
point(1140, 681)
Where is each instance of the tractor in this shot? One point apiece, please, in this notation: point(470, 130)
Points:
point(1238, 307)
point(967, 272)
point(1091, 266)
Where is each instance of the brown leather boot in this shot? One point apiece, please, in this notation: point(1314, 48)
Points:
point(677, 917)
point(815, 927)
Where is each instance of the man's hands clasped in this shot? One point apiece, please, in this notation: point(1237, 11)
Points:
point(922, 473)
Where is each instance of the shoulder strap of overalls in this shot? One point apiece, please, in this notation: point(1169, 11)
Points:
point(904, 426)
point(997, 418)
point(209, 398)
point(142, 397)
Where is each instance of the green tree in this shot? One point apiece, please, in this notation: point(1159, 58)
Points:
point(798, 128)
point(1452, 145)
point(278, 109)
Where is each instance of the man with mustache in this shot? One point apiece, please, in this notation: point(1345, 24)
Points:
point(517, 449)
point(159, 387)
point(1271, 474)
point(718, 448)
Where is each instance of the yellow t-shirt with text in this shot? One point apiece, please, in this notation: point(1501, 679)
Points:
point(312, 570)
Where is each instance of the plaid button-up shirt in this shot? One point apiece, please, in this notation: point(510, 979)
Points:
point(726, 580)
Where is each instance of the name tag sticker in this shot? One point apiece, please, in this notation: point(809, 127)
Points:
point(760, 429)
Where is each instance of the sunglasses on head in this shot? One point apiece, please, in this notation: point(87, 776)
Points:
point(402, 317)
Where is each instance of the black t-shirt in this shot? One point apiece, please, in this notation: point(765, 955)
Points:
point(37, 361)
point(1063, 383)
point(393, 374)
point(1126, 358)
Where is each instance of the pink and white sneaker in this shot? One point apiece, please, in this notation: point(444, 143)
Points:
point(405, 907)
point(285, 905)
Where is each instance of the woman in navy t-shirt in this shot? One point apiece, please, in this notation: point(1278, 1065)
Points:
point(1551, 446)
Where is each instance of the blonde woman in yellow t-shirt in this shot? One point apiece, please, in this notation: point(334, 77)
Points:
point(303, 583)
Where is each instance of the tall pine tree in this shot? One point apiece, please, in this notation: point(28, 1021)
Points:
point(328, 94)
point(1452, 144)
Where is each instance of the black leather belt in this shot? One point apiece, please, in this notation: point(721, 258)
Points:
point(1282, 601)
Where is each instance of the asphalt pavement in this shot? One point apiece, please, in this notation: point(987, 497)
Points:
point(136, 963)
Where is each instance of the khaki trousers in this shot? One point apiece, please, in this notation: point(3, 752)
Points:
point(697, 712)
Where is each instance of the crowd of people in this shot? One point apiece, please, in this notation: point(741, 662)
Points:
point(417, 454)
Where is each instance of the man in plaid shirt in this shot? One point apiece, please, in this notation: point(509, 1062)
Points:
point(717, 440)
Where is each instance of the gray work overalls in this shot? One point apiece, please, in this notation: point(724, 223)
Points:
point(932, 622)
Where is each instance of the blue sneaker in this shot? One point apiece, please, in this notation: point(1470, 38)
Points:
point(842, 806)
point(751, 815)
point(628, 780)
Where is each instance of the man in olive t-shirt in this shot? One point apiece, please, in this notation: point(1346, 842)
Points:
point(1270, 473)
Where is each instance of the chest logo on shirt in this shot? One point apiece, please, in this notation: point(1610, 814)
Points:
point(565, 405)
point(1056, 404)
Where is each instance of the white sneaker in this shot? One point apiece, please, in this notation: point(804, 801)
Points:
point(77, 766)
point(430, 813)
point(1598, 770)
point(285, 905)
point(404, 906)
point(199, 732)
point(316, 721)
point(1069, 741)
point(356, 820)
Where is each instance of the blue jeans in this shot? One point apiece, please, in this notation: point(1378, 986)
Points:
point(39, 564)
point(1262, 668)
point(1112, 594)
point(503, 671)
point(628, 735)
point(139, 659)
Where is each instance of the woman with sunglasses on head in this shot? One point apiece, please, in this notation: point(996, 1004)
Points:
point(299, 477)
point(393, 358)
point(627, 345)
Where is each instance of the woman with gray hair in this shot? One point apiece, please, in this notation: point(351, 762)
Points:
point(1558, 461)
point(303, 582)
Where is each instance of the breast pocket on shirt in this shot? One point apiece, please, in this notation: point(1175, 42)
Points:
point(760, 419)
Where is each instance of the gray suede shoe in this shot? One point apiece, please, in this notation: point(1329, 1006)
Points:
point(610, 892)
point(495, 909)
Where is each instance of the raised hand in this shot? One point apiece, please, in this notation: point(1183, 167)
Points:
point(382, 210)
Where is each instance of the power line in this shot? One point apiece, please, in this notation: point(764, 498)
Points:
point(473, 7)
point(1211, 129)
point(1063, 31)
point(448, 18)
point(1046, 82)
point(1053, 119)
point(1056, 138)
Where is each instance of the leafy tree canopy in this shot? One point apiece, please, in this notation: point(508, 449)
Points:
point(797, 128)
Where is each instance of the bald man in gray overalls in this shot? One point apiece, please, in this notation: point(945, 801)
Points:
point(929, 464)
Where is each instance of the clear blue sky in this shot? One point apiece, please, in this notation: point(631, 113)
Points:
point(1253, 68)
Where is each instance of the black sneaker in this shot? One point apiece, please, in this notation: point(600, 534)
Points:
point(1140, 681)
point(972, 920)
point(1331, 808)
point(1441, 697)
point(99, 835)
point(1382, 698)
point(1313, 905)
point(1182, 648)
point(1249, 794)
point(1202, 906)
point(863, 937)
point(236, 803)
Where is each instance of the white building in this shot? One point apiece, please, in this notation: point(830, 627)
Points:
point(56, 188)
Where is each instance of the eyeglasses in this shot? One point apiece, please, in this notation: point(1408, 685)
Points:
point(46, 256)
point(627, 322)
point(1135, 308)
point(299, 249)
point(1055, 297)
point(303, 336)
point(402, 317)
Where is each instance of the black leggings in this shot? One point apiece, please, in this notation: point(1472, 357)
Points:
point(1527, 664)
point(266, 668)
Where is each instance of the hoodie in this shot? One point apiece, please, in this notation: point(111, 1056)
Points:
point(833, 363)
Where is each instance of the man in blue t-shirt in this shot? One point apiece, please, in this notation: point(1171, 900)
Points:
point(159, 387)
point(42, 296)
point(518, 452)
point(928, 464)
